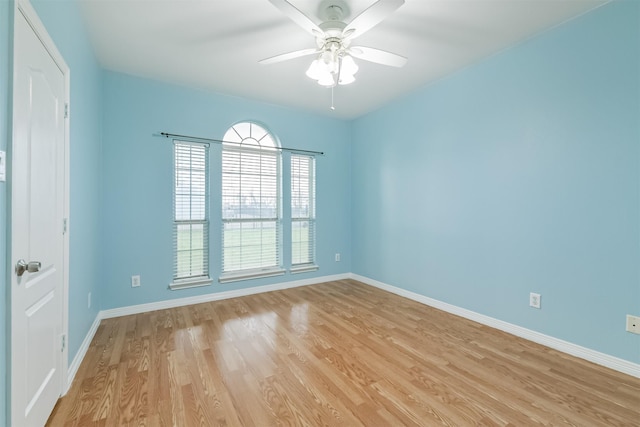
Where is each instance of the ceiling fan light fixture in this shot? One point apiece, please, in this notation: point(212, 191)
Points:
point(331, 68)
point(322, 71)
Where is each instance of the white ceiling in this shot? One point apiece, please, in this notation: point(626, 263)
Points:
point(216, 44)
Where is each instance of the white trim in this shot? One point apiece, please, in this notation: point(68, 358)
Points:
point(594, 356)
point(304, 268)
point(251, 274)
point(179, 302)
point(82, 351)
point(189, 283)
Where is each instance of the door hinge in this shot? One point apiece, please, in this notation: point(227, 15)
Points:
point(64, 226)
point(64, 342)
point(66, 110)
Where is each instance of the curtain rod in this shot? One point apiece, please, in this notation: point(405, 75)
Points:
point(188, 138)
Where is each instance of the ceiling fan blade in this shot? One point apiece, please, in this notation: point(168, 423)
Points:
point(378, 56)
point(371, 17)
point(287, 56)
point(298, 17)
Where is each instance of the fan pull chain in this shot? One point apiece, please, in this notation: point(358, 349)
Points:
point(332, 106)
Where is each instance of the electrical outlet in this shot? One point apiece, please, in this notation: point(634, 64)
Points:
point(135, 281)
point(534, 300)
point(337, 257)
point(89, 300)
point(633, 324)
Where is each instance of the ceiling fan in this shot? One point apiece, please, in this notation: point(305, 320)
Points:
point(334, 62)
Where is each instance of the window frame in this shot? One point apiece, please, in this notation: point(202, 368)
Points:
point(190, 281)
point(310, 218)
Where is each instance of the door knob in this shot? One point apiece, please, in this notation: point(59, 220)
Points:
point(31, 267)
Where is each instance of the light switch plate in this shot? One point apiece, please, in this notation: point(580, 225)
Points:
point(3, 166)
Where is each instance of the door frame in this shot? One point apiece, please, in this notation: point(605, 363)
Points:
point(24, 8)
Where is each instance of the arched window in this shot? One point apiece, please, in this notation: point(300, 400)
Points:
point(251, 203)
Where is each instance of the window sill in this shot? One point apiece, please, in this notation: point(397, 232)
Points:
point(306, 268)
point(190, 283)
point(250, 274)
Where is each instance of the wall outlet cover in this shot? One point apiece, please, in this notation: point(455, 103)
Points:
point(135, 281)
point(534, 300)
point(633, 324)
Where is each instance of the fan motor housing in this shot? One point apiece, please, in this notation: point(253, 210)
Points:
point(333, 28)
point(333, 10)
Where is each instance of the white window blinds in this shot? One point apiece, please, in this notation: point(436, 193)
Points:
point(303, 215)
point(251, 212)
point(191, 216)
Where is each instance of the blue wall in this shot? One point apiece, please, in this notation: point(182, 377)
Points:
point(519, 174)
point(6, 35)
point(66, 27)
point(138, 179)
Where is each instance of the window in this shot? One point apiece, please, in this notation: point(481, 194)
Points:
point(251, 204)
point(303, 215)
point(190, 215)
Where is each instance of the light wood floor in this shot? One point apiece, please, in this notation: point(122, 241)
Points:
point(339, 353)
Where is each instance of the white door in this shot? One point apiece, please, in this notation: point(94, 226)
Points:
point(37, 215)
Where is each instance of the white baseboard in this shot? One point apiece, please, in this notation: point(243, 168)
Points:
point(72, 370)
point(179, 302)
point(603, 359)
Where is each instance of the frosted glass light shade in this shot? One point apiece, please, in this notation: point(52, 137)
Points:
point(327, 80)
point(346, 79)
point(315, 70)
point(348, 66)
point(325, 68)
